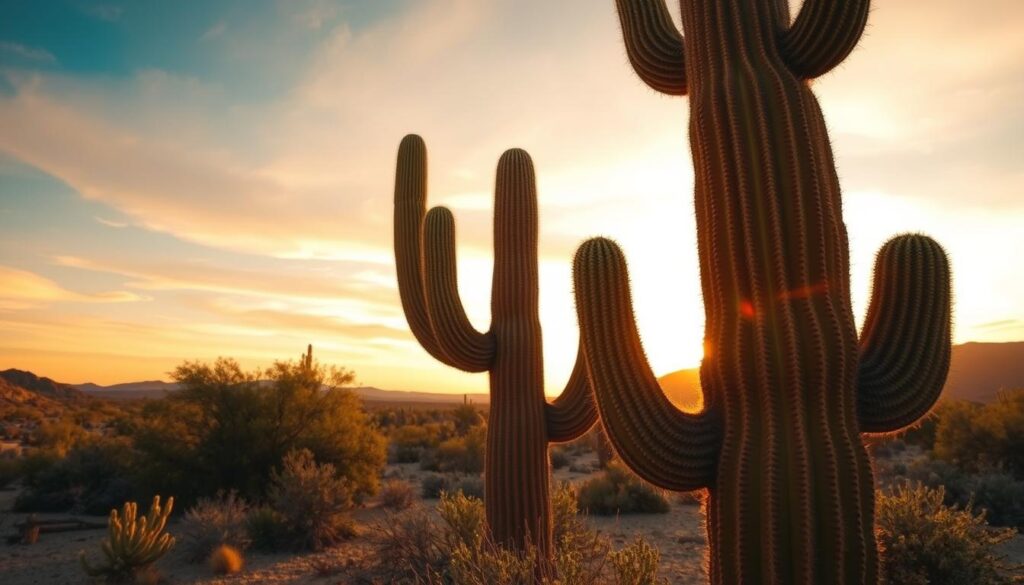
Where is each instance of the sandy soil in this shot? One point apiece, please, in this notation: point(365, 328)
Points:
point(54, 559)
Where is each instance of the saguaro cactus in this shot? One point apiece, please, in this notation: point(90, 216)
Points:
point(521, 422)
point(787, 389)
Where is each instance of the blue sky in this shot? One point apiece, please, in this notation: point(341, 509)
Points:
point(182, 180)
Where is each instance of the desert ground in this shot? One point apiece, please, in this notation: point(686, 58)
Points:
point(54, 559)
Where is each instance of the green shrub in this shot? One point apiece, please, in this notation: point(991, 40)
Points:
point(213, 523)
point(999, 494)
point(407, 443)
point(266, 529)
point(925, 542)
point(94, 477)
point(618, 491)
point(313, 500)
point(228, 429)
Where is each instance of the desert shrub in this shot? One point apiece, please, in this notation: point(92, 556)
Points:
point(618, 491)
point(983, 437)
point(313, 500)
point(409, 548)
point(463, 454)
point(408, 442)
point(925, 542)
point(58, 436)
point(414, 548)
point(999, 494)
point(94, 477)
point(559, 458)
point(226, 560)
point(266, 530)
point(465, 417)
point(10, 471)
point(227, 429)
point(214, 523)
point(397, 495)
point(636, 564)
point(134, 543)
point(471, 486)
point(432, 485)
point(694, 498)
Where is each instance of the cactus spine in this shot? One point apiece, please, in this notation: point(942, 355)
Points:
point(133, 544)
point(521, 422)
point(787, 389)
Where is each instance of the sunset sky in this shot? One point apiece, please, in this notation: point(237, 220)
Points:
point(189, 180)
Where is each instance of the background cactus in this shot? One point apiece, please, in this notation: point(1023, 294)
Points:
point(133, 544)
point(787, 390)
point(521, 422)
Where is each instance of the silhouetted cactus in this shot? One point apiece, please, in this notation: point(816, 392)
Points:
point(133, 544)
point(786, 389)
point(521, 422)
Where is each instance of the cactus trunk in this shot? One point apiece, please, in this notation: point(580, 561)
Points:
point(786, 396)
point(792, 471)
point(521, 423)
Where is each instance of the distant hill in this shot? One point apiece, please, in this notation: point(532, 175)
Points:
point(12, 396)
point(158, 389)
point(977, 372)
point(44, 387)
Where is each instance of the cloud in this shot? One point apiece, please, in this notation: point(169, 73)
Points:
point(111, 223)
point(20, 290)
point(27, 53)
point(214, 32)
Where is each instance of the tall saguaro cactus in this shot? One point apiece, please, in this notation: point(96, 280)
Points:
point(521, 422)
point(787, 388)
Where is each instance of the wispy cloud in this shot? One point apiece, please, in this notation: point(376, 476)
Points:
point(111, 223)
point(27, 53)
point(20, 289)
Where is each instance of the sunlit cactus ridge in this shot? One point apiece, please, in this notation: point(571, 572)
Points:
point(787, 386)
point(521, 422)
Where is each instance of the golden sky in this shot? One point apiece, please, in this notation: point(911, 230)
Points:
point(219, 182)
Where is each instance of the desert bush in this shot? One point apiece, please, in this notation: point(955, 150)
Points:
point(94, 477)
point(980, 438)
point(266, 529)
point(10, 471)
point(409, 549)
point(999, 494)
point(227, 429)
point(559, 458)
point(463, 454)
point(226, 560)
point(214, 523)
point(581, 554)
point(925, 542)
point(408, 442)
point(313, 500)
point(432, 485)
point(636, 564)
point(465, 417)
point(471, 486)
point(618, 491)
point(133, 544)
point(397, 495)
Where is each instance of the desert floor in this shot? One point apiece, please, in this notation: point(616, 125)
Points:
point(54, 559)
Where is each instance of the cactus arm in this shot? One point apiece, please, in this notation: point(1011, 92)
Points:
point(410, 209)
point(463, 346)
point(572, 414)
point(905, 343)
point(823, 34)
point(667, 447)
point(654, 44)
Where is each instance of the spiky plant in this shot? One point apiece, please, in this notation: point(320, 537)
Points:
point(787, 388)
point(133, 544)
point(521, 423)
